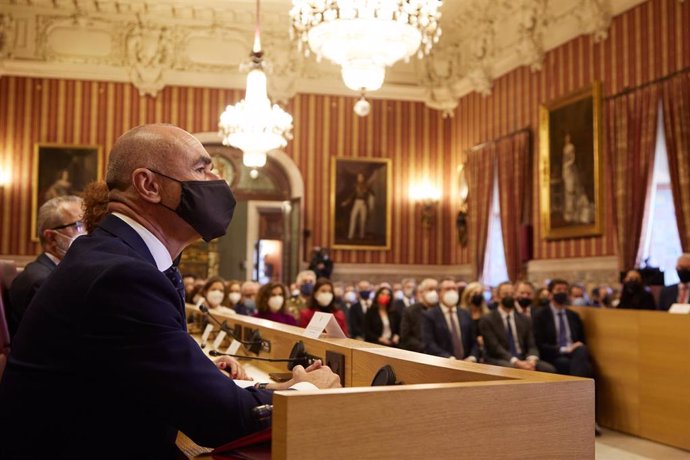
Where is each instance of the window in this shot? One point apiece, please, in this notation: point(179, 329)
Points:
point(495, 270)
point(660, 239)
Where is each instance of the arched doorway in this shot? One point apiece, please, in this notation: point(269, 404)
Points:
point(263, 240)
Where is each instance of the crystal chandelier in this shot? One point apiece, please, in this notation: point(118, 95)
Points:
point(365, 36)
point(253, 125)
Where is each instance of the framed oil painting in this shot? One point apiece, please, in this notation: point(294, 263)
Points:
point(570, 165)
point(60, 170)
point(360, 203)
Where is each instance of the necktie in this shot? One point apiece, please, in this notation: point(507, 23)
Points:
point(562, 338)
point(458, 352)
point(173, 274)
point(511, 337)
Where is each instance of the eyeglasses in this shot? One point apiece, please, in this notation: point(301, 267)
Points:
point(79, 225)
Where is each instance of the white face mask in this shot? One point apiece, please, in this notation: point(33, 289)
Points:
point(215, 297)
point(234, 297)
point(324, 298)
point(450, 298)
point(64, 247)
point(431, 297)
point(408, 292)
point(398, 295)
point(295, 293)
point(275, 303)
point(350, 297)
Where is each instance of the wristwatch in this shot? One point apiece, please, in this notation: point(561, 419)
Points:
point(261, 385)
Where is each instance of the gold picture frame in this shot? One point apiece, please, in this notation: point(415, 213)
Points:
point(61, 169)
point(357, 218)
point(571, 189)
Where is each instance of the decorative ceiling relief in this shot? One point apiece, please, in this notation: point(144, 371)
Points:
point(174, 42)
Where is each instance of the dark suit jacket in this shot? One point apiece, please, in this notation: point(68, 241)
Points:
point(668, 296)
point(102, 365)
point(411, 328)
point(356, 319)
point(373, 326)
point(24, 288)
point(492, 328)
point(437, 338)
point(545, 332)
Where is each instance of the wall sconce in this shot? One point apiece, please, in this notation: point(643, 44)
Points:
point(461, 218)
point(427, 197)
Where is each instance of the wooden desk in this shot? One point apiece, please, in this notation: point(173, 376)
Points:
point(643, 372)
point(445, 409)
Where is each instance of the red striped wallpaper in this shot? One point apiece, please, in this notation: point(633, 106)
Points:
point(645, 43)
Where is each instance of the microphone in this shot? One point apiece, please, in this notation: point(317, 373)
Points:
point(254, 345)
point(384, 377)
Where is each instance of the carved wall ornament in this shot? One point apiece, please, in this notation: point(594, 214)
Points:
point(7, 36)
point(594, 18)
point(149, 55)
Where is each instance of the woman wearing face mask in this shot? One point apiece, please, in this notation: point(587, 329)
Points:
point(322, 299)
point(270, 304)
point(474, 302)
point(214, 294)
point(634, 294)
point(381, 322)
point(233, 288)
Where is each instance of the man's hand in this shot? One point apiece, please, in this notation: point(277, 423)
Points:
point(317, 374)
point(232, 367)
point(526, 365)
point(574, 346)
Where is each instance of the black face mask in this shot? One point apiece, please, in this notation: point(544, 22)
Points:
point(632, 287)
point(561, 298)
point(508, 302)
point(364, 295)
point(684, 275)
point(543, 301)
point(477, 299)
point(524, 302)
point(207, 206)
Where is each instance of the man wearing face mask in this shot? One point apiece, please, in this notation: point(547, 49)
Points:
point(508, 335)
point(358, 310)
point(247, 303)
point(105, 362)
point(411, 324)
point(524, 296)
point(560, 335)
point(59, 223)
point(677, 293)
point(447, 329)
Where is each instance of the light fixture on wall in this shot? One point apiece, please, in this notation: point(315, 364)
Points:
point(253, 125)
point(5, 177)
point(365, 36)
point(427, 197)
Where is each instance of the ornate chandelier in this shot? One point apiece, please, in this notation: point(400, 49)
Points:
point(253, 125)
point(365, 36)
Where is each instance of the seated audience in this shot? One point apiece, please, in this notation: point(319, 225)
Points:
point(214, 296)
point(188, 280)
point(322, 299)
point(304, 283)
point(247, 304)
point(542, 297)
point(58, 223)
point(524, 295)
point(359, 309)
point(474, 302)
point(271, 305)
point(411, 324)
point(508, 336)
point(634, 294)
point(560, 335)
point(447, 329)
point(677, 293)
point(381, 323)
point(577, 296)
point(234, 290)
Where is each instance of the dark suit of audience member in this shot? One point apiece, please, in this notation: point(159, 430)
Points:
point(375, 331)
point(24, 288)
point(438, 339)
point(500, 350)
point(635, 296)
point(670, 295)
point(554, 345)
point(411, 328)
point(357, 314)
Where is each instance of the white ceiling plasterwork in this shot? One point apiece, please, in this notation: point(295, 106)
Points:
point(153, 44)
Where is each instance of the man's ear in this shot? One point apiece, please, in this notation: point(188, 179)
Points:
point(146, 185)
point(49, 235)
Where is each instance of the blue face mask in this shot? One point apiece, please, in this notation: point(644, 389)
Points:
point(364, 295)
point(306, 289)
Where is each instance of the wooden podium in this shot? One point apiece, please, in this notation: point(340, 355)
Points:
point(442, 409)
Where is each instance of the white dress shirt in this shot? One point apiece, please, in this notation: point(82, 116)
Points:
point(156, 248)
point(568, 337)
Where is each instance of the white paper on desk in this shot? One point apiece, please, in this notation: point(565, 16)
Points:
point(207, 332)
point(321, 321)
point(219, 339)
point(681, 308)
point(244, 383)
point(233, 348)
